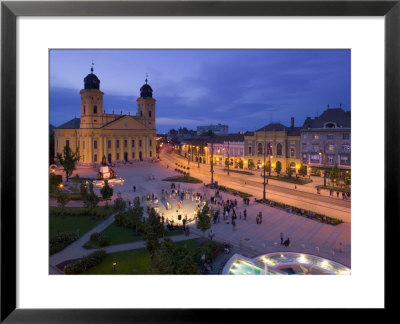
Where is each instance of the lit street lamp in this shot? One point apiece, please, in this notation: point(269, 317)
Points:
point(324, 162)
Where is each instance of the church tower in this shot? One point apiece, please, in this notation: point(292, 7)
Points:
point(146, 104)
point(91, 102)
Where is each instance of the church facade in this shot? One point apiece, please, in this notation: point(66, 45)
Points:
point(114, 137)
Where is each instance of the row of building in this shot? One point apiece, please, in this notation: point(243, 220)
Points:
point(321, 143)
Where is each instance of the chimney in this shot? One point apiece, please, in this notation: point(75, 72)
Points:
point(292, 122)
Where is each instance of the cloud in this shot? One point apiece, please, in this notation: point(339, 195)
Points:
point(185, 121)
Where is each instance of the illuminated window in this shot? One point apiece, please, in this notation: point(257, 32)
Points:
point(331, 147)
point(291, 152)
point(315, 136)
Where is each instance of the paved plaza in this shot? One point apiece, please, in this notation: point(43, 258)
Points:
point(248, 238)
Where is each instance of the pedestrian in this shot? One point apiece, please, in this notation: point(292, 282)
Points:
point(343, 195)
point(245, 214)
point(295, 187)
point(281, 238)
point(134, 188)
point(240, 215)
point(233, 224)
point(337, 194)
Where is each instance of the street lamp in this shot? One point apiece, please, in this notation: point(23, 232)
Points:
point(324, 162)
point(212, 163)
point(264, 183)
point(229, 162)
point(198, 160)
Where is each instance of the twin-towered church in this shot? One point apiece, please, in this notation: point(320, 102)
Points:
point(118, 138)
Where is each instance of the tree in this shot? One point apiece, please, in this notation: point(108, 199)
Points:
point(155, 223)
point(251, 164)
point(153, 231)
point(278, 167)
point(303, 170)
point(188, 266)
point(68, 160)
point(106, 191)
point(62, 200)
point(119, 203)
point(164, 260)
point(289, 171)
point(83, 190)
point(241, 164)
point(91, 199)
point(204, 219)
point(267, 167)
point(347, 179)
point(136, 214)
point(334, 174)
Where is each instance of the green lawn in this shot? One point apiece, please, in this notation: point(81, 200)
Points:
point(62, 224)
point(299, 181)
point(187, 179)
point(133, 261)
point(119, 235)
point(240, 171)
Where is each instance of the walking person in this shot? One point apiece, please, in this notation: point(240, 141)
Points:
point(134, 188)
point(233, 224)
point(337, 194)
point(245, 214)
point(281, 238)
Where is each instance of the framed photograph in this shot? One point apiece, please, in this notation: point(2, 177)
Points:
point(170, 154)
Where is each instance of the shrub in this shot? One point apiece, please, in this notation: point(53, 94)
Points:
point(85, 263)
point(55, 180)
point(106, 191)
point(61, 240)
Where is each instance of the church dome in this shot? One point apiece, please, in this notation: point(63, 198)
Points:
point(91, 81)
point(146, 91)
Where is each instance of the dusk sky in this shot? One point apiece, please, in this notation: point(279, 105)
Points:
point(245, 89)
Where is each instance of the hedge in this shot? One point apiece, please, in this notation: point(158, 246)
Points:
point(61, 240)
point(302, 212)
point(99, 211)
point(85, 263)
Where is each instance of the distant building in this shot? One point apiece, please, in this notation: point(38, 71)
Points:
point(326, 140)
point(222, 147)
point(216, 129)
point(279, 143)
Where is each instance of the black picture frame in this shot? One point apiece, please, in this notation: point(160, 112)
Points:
point(10, 10)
